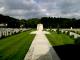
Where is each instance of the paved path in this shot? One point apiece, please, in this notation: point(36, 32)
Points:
point(41, 48)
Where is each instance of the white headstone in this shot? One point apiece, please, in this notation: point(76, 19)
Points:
point(39, 27)
point(71, 28)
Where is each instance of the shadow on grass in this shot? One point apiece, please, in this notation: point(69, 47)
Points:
point(68, 52)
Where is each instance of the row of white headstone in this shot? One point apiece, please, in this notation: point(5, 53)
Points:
point(71, 33)
point(75, 35)
point(66, 31)
point(10, 31)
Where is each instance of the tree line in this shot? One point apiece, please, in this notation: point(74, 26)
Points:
point(48, 22)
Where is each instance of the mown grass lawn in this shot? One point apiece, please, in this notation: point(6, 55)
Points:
point(64, 46)
point(16, 46)
point(59, 39)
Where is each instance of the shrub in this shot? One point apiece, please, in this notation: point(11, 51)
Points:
point(58, 32)
point(12, 33)
point(2, 36)
point(68, 32)
point(77, 32)
point(77, 41)
point(72, 36)
point(63, 32)
point(15, 33)
point(73, 31)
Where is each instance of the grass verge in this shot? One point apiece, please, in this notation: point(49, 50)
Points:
point(59, 39)
point(15, 47)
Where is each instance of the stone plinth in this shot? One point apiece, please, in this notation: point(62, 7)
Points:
point(40, 27)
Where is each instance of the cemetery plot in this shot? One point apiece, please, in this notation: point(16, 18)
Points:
point(59, 39)
point(15, 47)
point(73, 33)
point(65, 46)
point(5, 32)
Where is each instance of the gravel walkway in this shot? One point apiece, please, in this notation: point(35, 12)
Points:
point(41, 49)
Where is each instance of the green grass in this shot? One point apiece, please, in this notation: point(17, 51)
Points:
point(16, 46)
point(59, 39)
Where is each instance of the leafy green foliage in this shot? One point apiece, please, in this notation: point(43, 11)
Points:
point(48, 22)
point(77, 41)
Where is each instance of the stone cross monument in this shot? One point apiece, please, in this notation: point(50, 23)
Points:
point(39, 27)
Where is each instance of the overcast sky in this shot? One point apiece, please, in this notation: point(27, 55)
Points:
point(39, 8)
